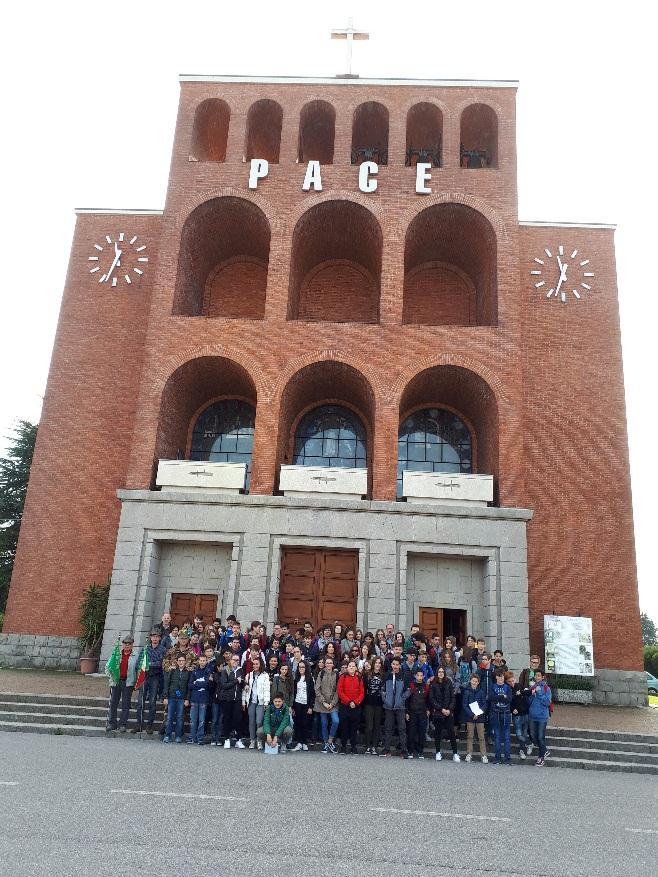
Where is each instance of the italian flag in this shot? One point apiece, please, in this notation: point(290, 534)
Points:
point(143, 668)
point(113, 666)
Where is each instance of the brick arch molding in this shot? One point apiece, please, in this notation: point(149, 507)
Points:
point(492, 216)
point(229, 192)
point(356, 362)
point(335, 195)
point(422, 365)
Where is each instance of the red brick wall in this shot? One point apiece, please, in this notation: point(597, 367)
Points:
point(438, 295)
point(581, 550)
point(540, 382)
point(71, 514)
point(236, 288)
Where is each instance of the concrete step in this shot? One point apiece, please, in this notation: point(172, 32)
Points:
point(48, 728)
point(32, 718)
point(55, 699)
point(46, 708)
point(570, 752)
point(590, 734)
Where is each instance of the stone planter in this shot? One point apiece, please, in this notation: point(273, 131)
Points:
point(441, 488)
point(190, 476)
point(570, 695)
point(88, 665)
point(313, 481)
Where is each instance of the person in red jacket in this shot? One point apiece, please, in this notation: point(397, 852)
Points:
point(350, 697)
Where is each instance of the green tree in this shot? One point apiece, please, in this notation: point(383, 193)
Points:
point(14, 475)
point(649, 632)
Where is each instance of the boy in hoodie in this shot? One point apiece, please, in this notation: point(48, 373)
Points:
point(276, 729)
point(199, 698)
point(499, 700)
point(176, 684)
point(395, 693)
point(417, 714)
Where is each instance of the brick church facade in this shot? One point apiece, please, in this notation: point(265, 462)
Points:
point(378, 395)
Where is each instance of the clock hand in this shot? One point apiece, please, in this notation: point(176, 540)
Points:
point(563, 276)
point(113, 265)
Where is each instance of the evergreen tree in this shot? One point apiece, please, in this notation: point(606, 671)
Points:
point(14, 475)
point(649, 632)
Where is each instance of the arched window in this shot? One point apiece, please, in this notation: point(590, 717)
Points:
point(224, 433)
point(317, 122)
point(330, 435)
point(478, 137)
point(210, 132)
point(433, 440)
point(370, 133)
point(264, 122)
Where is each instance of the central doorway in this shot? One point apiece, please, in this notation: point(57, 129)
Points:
point(184, 607)
point(445, 622)
point(318, 585)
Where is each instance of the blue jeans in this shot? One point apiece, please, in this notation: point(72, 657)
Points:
point(538, 735)
point(324, 723)
point(197, 722)
point(216, 722)
point(148, 699)
point(521, 728)
point(175, 710)
point(501, 722)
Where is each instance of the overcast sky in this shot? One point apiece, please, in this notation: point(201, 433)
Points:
point(89, 98)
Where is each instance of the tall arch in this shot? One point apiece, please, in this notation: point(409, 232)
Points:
point(465, 393)
point(263, 136)
point(478, 137)
point(370, 133)
point(335, 271)
point(450, 260)
point(424, 134)
point(327, 382)
point(188, 392)
point(210, 130)
point(317, 125)
point(223, 260)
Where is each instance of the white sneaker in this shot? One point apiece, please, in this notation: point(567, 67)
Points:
point(252, 744)
point(304, 747)
point(468, 757)
point(297, 748)
point(455, 757)
point(259, 745)
point(214, 743)
point(522, 754)
point(530, 748)
point(227, 744)
point(240, 745)
point(438, 757)
point(485, 760)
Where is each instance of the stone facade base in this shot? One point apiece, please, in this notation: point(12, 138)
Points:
point(569, 695)
point(620, 688)
point(30, 651)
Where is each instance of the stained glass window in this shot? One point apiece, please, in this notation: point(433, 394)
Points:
point(330, 436)
point(224, 433)
point(433, 440)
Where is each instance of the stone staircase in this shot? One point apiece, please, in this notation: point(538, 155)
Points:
point(569, 747)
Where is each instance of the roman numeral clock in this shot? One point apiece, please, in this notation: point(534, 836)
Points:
point(120, 260)
point(562, 275)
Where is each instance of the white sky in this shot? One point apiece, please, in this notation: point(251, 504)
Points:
point(89, 99)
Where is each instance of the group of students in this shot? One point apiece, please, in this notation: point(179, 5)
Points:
point(291, 690)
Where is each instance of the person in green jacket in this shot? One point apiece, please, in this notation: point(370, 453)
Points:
point(276, 728)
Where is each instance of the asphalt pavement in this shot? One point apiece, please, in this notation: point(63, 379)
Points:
point(92, 806)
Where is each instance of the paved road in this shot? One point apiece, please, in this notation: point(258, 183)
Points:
point(89, 806)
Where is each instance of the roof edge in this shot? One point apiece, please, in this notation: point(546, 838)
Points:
point(117, 212)
point(547, 224)
point(351, 80)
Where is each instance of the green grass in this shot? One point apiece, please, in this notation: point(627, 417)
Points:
point(653, 700)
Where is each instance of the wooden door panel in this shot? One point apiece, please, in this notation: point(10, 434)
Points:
point(206, 606)
point(318, 585)
point(431, 621)
point(182, 607)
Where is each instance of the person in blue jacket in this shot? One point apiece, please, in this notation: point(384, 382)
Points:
point(499, 701)
point(538, 713)
point(199, 698)
point(471, 696)
point(152, 686)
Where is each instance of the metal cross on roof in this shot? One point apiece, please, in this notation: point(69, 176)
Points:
point(349, 33)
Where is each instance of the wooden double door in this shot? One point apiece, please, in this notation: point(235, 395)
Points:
point(445, 622)
point(186, 606)
point(318, 585)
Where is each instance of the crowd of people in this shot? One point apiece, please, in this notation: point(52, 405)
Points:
point(293, 690)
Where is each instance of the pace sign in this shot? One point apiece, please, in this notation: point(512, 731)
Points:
point(368, 170)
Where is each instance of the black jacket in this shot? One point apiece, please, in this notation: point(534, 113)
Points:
point(418, 699)
point(310, 689)
point(228, 684)
point(442, 697)
point(176, 683)
point(519, 704)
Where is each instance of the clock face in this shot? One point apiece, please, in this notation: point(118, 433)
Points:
point(118, 259)
point(562, 274)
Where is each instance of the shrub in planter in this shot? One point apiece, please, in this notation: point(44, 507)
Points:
point(93, 609)
point(571, 689)
point(651, 659)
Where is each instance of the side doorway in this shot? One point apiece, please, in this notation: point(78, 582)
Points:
point(445, 622)
point(186, 606)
